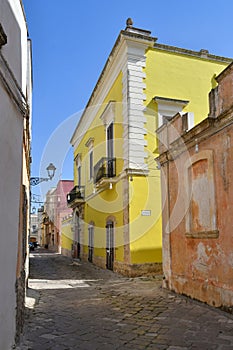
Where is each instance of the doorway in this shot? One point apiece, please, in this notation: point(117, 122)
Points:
point(77, 237)
point(90, 242)
point(110, 245)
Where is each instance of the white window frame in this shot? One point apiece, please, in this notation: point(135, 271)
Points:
point(78, 163)
point(169, 107)
point(90, 145)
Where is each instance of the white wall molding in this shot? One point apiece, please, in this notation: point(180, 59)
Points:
point(12, 87)
point(128, 57)
point(119, 60)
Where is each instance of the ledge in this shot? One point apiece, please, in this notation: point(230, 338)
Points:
point(3, 37)
point(203, 234)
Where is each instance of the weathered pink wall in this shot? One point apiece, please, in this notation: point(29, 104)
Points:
point(61, 209)
point(197, 218)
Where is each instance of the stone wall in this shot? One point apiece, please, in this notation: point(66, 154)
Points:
point(137, 270)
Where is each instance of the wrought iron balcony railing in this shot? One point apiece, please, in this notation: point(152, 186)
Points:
point(105, 168)
point(76, 194)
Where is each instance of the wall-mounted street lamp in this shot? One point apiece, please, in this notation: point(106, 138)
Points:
point(51, 172)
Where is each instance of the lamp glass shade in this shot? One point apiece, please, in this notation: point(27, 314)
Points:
point(51, 170)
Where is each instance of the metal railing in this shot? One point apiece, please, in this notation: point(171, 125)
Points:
point(78, 192)
point(104, 168)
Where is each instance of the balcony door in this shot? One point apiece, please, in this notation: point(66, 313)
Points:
point(109, 245)
point(110, 141)
point(110, 150)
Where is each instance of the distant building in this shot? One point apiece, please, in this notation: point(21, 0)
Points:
point(62, 210)
point(67, 236)
point(55, 209)
point(116, 196)
point(50, 239)
point(15, 136)
point(40, 224)
point(34, 228)
point(197, 191)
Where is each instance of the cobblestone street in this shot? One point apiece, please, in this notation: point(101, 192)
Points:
point(79, 306)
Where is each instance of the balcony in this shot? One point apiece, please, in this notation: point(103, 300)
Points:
point(104, 169)
point(76, 196)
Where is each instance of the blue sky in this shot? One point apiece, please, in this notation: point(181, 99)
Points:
point(72, 40)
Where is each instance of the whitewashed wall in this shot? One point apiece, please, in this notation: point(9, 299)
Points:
point(11, 135)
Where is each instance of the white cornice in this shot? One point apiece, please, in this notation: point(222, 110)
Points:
point(124, 46)
point(110, 74)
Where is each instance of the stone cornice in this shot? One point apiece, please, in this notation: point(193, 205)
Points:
point(114, 63)
point(12, 87)
point(3, 37)
point(202, 54)
point(139, 36)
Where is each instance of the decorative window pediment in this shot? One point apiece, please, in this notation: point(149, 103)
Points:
point(108, 115)
point(168, 107)
point(90, 143)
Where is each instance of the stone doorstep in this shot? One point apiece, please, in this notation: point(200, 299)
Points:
point(32, 298)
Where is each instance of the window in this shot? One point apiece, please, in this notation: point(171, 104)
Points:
point(91, 164)
point(168, 108)
point(79, 169)
point(166, 119)
point(110, 141)
point(90, 145)
point(79, 175)
point(90, 242)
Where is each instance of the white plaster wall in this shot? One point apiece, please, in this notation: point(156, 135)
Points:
point(15, 51)
point(11, 124)
point(11, 133)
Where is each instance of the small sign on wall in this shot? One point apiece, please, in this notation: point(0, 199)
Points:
point(145, 212)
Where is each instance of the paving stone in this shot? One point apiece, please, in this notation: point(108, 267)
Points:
point(80, 306)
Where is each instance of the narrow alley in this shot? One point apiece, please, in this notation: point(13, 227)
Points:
point(79, 306)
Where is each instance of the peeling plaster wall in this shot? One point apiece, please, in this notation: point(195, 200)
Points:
point(202, 267)
point(197, 190)
point(206, 269)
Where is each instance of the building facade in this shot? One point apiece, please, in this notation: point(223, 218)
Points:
point(55, 209)
point(61, 209)
point(50, 238)
point(40, 212)
point(197, 196)
point(34, 228)
point(15, 135)
point(116, 199)
point(67, 236)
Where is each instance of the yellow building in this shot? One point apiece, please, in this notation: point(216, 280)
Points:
point(67, 236)
point(116, 200)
